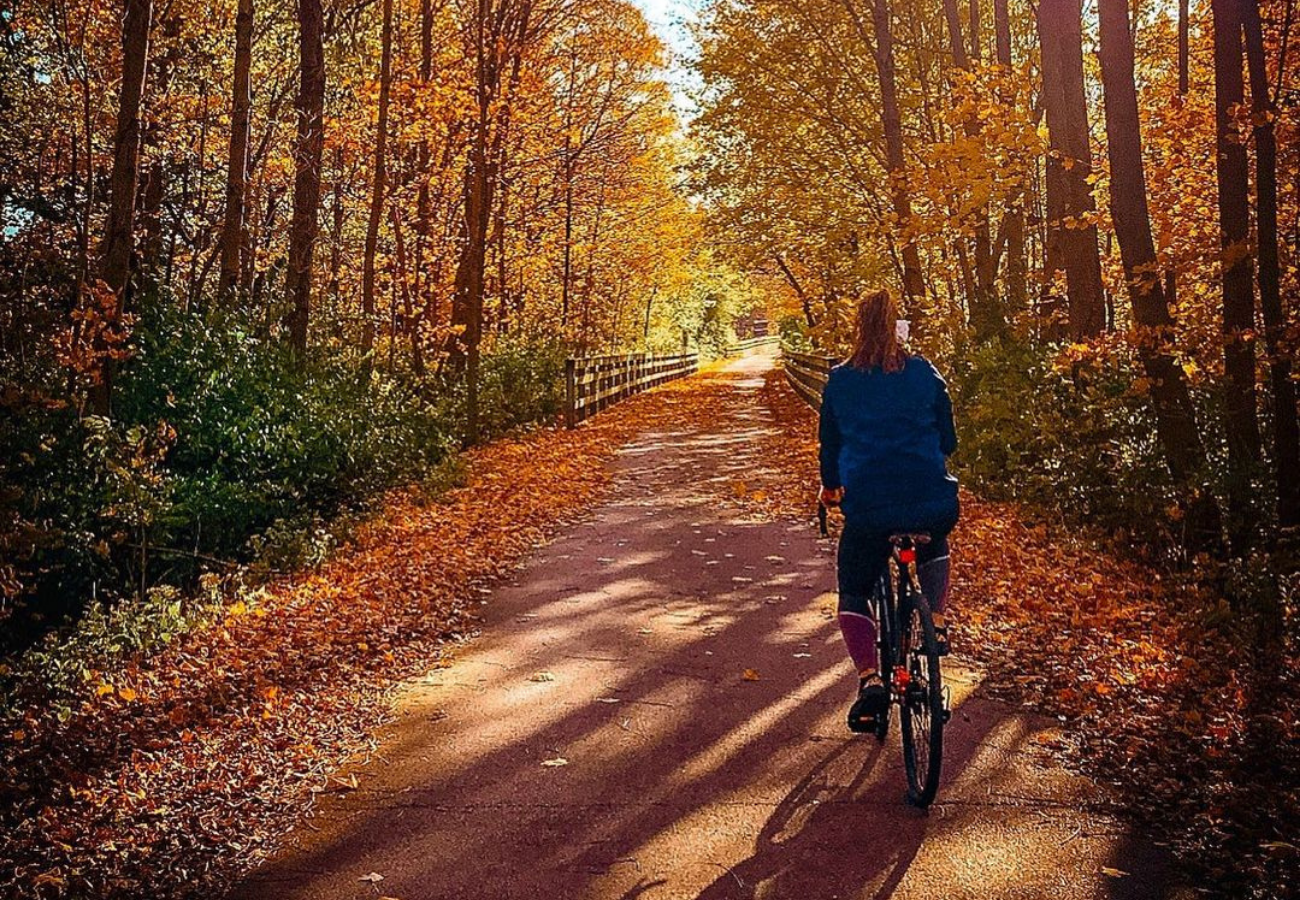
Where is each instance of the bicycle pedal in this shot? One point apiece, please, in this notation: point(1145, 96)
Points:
point(947, 716)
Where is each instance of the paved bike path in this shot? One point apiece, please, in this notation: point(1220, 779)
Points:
point(603, 739)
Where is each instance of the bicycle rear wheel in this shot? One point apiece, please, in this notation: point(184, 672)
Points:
point(888, 645)
point(922, 711)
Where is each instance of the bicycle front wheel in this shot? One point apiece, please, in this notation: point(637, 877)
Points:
point(922, 713)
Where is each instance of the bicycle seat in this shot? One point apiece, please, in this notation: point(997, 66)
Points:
point(909, 538)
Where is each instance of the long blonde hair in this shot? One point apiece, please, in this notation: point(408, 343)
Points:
point(876, 343)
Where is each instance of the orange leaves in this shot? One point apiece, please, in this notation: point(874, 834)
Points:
point(237, 722)
point(97, 332)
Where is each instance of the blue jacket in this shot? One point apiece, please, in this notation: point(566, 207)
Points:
point(884, 439)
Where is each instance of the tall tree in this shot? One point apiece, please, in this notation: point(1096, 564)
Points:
point(892, 122)
point(1286, 430)
point(232, 235)
point(496, 34)
point(119, 234)
point(1072, 236)
point(308, 149)
point(1232, 167)
point(988, 318)
point(1013, 221)
point(1175, 416)
point(379, 182)
point(1184, 39)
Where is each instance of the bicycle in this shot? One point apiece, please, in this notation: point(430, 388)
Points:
point(910, 651)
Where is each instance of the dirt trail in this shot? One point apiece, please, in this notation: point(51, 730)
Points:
point(621, 650)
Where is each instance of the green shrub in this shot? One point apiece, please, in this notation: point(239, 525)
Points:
point(218, 437)
point(1068, 429)
point(520, 383)
point(222, 449)
point(105, 634)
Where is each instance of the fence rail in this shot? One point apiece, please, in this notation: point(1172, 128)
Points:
point(751, 346)
point(594, 383)
point(807, 374)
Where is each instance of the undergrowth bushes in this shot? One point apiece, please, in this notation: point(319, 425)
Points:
point(222, 449)
point(1071, 431)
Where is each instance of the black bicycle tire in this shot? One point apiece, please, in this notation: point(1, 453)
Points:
point(922, 792)
point(888, 640)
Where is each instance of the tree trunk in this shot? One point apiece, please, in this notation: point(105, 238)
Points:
point(1171, 276)
point(913, 283)
point(1069, 195)
point(956, 45)
point(1242, 423)
point(153, 190)
point(115, 267)
point(309, 145)
point(804, 302)
point(987, 317)
point(380, 181)
point(1184, 28)
point(336, 241)
point(1014, 218)
point(1002, 32)
point(467, 309)
point(1175, 415)
point(410, 315)
point(1286, 430)
point(232, 234)
point(423, 205)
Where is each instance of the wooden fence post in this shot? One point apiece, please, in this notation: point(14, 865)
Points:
point(570, 393)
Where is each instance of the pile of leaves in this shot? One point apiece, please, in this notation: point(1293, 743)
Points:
point(171, 773)
point(1159, 683)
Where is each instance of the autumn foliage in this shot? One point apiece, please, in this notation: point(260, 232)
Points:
point(273, 277)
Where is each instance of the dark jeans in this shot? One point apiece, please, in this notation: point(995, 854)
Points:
point(864, 554)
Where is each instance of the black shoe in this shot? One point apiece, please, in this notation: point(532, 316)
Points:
point(872, 703)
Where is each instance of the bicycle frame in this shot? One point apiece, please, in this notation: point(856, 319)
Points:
point(900, 570)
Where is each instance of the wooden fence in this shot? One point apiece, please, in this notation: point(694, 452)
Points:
point(594, 383)
point(807, 374)
point(752, 346)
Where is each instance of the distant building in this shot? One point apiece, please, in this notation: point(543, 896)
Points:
point(751, 325)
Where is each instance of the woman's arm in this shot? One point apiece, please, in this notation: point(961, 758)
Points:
point(943, 417)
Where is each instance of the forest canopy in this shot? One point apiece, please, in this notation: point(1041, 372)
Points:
point(1089, 211)
point(259, 262)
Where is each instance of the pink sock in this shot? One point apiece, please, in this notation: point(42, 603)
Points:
point(860, 638)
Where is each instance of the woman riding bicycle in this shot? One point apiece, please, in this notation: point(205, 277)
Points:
point(886, 428)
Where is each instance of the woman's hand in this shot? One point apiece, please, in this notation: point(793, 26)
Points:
point(832, 496)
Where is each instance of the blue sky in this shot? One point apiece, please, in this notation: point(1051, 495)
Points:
point(669, 19)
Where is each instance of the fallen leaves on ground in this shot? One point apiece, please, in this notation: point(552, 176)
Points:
point(184, 769)
point(1157, 688)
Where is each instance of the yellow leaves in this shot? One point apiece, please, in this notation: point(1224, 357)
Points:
point(750, 675)
point(555, 762)
point(542, 677)
point(52, 878)
point(103, 689)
